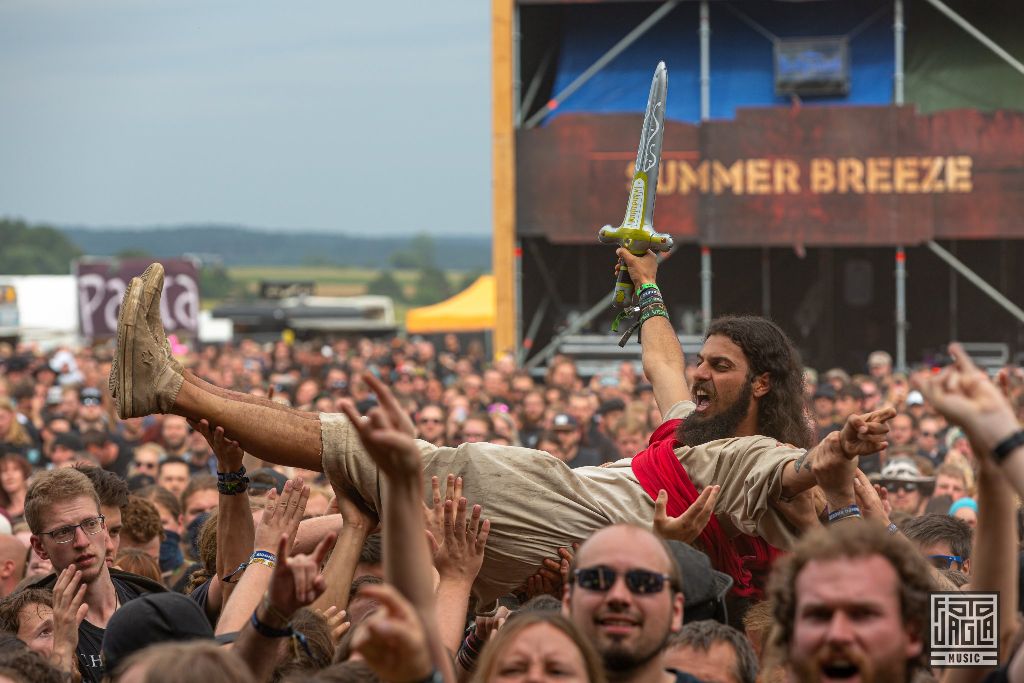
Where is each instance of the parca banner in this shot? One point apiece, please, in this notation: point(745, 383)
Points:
point(101, 286)
point(779, 176)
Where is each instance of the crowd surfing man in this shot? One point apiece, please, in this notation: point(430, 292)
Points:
point(742, 428)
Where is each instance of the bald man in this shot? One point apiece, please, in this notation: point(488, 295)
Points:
point(13, 554)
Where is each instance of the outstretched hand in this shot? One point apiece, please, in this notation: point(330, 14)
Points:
point(966, 397)
point(282, 514)
point(393, 640)
point(866, 434)
point(387, 433)
point(460, 554)
point(689, 525)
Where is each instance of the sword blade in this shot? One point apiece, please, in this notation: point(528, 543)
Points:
point(640, 207)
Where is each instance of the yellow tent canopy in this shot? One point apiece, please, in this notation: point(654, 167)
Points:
point(471, 310)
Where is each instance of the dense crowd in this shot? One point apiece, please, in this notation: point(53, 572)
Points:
point(154, 548)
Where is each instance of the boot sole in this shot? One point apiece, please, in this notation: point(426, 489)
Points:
point(153, 281)
point(126, 347)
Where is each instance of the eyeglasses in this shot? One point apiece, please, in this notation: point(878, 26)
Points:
point(638, 581)
point(945, 561)
point(66, 534)
point(905, 487)
point(144, 465)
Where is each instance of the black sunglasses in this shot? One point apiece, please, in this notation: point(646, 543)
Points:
point(638, 581)
point(906, 487)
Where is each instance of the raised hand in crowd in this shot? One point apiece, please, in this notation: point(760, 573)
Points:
point(553, 574)
point(282, 514)
point(281, 517)
point(458, 559)
point(236, 531)
point(460, 553)
point(294, 583)
point(357, 525)
point(966, 397)
point(387, 435)
point(69, 610)
point(228, 452)
point(433, 514)
point(871, 499)
point(687, 526)
point(337, 620)
point(392, 640)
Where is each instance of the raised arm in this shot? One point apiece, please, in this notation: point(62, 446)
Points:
point(663, 359)
point(358, 524)
point(387, 436)
point(281, 517)
point(235, 528)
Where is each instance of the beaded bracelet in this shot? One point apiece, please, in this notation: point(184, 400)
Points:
point(232, 483)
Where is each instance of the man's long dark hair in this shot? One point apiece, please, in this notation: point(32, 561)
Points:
point(780, 412)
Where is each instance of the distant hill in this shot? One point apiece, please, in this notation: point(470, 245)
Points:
point(246, 247)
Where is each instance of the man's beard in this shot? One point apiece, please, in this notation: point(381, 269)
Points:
point(696, 429)
point(619, 660)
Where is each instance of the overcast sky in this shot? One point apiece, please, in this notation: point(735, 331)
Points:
point(318, 114)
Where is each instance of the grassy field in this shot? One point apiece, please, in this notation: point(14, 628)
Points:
point(331, 281)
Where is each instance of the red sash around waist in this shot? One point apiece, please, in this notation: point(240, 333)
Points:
point(658, 468)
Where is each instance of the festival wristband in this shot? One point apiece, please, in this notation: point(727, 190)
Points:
point(263, 557)
point(1008, 445)
point(843, 513)
point(647, 285)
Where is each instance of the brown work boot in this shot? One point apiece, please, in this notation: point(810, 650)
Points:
point(141, 377)
point(152, 289)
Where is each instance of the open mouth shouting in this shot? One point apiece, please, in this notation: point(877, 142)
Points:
point(702, 397)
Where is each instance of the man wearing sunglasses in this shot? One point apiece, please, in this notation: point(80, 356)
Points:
point(625, 595)
point(909, 490)
point(63, 512)
point(943, 540)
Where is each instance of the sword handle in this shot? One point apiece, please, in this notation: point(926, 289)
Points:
point(623, 294)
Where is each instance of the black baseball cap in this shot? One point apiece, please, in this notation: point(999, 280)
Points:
point(151, 619)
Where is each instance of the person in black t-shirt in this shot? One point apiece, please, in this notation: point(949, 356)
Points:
point(63, 512)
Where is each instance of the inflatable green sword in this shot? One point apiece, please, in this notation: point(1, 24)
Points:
point(637, 230)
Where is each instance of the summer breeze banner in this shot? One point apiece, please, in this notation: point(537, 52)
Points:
point(780, 176)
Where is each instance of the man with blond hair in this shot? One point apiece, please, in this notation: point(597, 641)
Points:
point(63, 512)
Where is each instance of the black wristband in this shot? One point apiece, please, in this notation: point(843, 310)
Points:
point(269, 631)
point(1008, 445)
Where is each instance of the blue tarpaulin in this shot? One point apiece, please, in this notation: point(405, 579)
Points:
point(742, 71)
